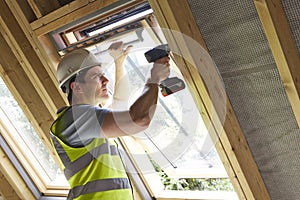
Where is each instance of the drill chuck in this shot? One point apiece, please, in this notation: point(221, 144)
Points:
point(157, 53)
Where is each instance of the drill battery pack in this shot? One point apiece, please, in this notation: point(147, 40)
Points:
point(171, 85)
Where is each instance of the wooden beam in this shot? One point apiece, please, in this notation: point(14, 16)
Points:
point(67, 14)
point(17, 188)
point(50, 49)
point(31, 52)
point(209, 94)
point(283, 47)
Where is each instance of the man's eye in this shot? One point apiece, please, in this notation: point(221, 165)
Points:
point(98, 75)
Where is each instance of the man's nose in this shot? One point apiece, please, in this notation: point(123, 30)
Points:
point(104, 79)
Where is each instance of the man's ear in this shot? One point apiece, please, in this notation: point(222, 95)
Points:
point(75, 87)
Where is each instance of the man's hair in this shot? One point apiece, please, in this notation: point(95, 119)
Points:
point(79, 77)
point(70, 91)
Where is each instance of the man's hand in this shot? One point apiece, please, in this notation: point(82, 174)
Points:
point(117, 52)
point(121, 86)
point(160, 70)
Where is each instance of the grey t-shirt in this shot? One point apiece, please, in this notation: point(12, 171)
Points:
point(78, 125)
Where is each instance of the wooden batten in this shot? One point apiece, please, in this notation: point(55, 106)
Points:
point(12, 185)
point(67, 14)
point(35, 8)
point(7, 191)
point(283, 47)
point(231, 144)
point(50, 50)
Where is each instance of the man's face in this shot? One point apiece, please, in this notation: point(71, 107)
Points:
point(95, 84)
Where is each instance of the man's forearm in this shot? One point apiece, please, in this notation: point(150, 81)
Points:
point(121, 91)
point(143, 108)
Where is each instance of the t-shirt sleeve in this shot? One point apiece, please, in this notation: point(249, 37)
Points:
point(82, 124)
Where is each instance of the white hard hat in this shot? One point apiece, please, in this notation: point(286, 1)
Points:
point(74, 62)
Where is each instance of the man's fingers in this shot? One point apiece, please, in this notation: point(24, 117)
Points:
point(116, 45)
point(117, 51)
point(128, 48)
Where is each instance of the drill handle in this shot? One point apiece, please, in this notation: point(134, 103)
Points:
point(169, 85)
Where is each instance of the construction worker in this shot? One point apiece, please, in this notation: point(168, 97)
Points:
point(83, 132)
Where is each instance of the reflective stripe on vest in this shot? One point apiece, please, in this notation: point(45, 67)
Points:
point(82, 162)
point(120, 184)
point(99, 186)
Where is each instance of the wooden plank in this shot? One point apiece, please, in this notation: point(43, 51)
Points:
point(35, 8)
point(67, 14)
point(7, 190)
point(50, 49)
point(210, 97)
point(283, 47)
point(233, 144)
point(58, 13)
point(115, 10)
point(10, 174)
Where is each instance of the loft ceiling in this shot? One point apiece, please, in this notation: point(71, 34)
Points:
point(254, 44)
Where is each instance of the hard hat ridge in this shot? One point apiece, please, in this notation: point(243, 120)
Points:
point(74, 62)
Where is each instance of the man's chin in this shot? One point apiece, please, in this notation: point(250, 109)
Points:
point(104, 99)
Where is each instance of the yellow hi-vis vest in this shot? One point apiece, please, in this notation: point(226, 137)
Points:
point(94, 171)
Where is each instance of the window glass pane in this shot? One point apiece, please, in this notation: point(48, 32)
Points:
point(29, 140)
point(177, 140)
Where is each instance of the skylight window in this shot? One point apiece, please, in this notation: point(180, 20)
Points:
point(121, 22)
point(26, 144)
point(176, 148)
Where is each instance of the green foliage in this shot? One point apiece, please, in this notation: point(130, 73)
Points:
point(210, 184)
point(199, 184)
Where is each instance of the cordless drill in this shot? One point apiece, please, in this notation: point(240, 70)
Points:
point(169, 85)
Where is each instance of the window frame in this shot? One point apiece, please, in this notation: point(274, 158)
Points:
point(49, 191)
point(24, 155)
